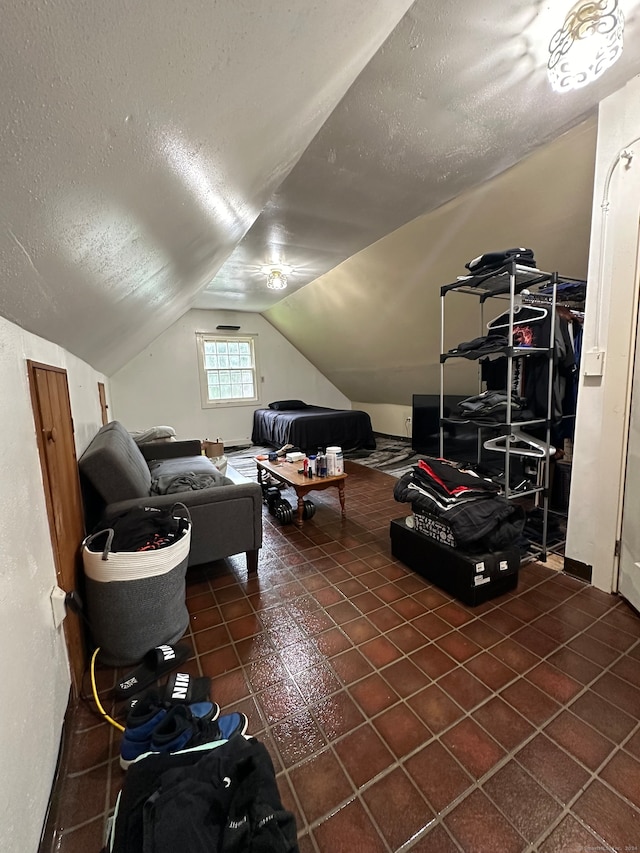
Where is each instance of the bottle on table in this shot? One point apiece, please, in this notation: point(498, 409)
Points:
point(335, 461)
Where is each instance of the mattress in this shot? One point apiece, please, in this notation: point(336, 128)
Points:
point(313, 427)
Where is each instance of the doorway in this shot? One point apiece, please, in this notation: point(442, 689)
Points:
point(104, 406)
point(56, 446)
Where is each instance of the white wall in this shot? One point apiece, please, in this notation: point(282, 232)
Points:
point(388, 419)
point(35, 672)
point(161, 384)
point(611, 311)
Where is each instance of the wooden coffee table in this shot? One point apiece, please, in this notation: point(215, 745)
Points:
point(287, 473)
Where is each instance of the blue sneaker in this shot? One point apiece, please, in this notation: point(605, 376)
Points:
point(232, 724)
point(145, 717)
point(181, 729)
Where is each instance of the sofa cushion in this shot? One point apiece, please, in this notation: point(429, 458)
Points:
point(169, 476)
point(114, 465)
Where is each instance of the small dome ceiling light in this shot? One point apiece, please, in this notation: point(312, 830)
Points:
point(587, 44)
point(277, 275)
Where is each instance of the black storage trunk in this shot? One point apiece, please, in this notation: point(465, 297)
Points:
point(471, 578)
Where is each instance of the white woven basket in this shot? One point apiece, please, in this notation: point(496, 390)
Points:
point(134, 565)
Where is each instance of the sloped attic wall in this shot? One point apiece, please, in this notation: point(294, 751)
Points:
point(372, 325)
point(141, 140)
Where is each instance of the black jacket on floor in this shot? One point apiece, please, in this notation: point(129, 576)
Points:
point(221, 800)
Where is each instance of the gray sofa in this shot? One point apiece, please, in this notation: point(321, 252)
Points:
point(116, 474)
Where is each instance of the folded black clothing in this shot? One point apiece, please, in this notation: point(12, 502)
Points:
point(489, 402)
point(486, 400)
point(482, 407)
point(437, 493)
point(490, 524)
point(495, 417)
point(485, 340)
point(495, 260)
point(574, 290)
point(453, 479)
point(440, 503)
point(487, 270)
point(480, 346)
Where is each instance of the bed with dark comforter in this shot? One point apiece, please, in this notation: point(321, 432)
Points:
point(310, 427)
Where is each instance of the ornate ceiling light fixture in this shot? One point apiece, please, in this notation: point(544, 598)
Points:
point(587, 44)
point(277, 275)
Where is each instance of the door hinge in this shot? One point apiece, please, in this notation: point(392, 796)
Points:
point(616, 550)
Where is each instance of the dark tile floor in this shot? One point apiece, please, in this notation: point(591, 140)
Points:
point(397, 718)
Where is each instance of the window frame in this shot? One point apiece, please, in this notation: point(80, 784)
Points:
point(206, 337)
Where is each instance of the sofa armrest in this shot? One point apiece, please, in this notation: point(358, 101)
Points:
point(171, 449)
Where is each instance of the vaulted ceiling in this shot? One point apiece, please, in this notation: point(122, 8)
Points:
point(154, 155)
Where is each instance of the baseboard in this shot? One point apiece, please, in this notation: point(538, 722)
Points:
point(402, 438)
point(578, 569)
point(50, 821)
point(236, 444)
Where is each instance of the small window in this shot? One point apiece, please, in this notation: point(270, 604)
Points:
point(228, 371)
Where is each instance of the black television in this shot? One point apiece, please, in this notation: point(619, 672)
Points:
point(425, 421)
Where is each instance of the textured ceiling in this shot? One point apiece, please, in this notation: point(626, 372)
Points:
point(457, 94)
point(140, 140)
point(154, 155)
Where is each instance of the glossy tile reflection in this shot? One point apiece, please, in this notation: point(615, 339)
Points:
point(397, 718)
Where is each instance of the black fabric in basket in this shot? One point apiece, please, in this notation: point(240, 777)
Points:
point(140, 529)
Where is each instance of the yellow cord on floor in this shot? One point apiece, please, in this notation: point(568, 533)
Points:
point(95, 693)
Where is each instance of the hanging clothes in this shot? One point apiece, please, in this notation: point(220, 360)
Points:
point(531, 373)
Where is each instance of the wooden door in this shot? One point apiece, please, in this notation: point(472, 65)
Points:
point(54, 429)
point(104, 406)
